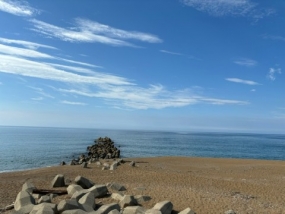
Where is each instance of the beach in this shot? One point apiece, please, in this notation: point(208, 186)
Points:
point(207, 185)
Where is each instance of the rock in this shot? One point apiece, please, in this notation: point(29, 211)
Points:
point(77, 195)
point(105, 168)
point(99, 190)
point(128, 200)
point(117, 187)
point(28, 186)
point(230, 212)
point(84, 165)
point(24, 202)
point(44, 199)
point(142, 198)
point(165, 207)
point(84, 182)
point(117, 196)
point(67, 181)
point(133, 164)
point(187, 211)
point(44, 208)
point(114, 212)
point(114, 166)
point(70, 204)
point(62, 163)
point(105, 209)
point(58, 181)
point(77, 211)
point(134, 210)
point(87, 202)
point(72, 188)
point(152, 211)
point(98, 163)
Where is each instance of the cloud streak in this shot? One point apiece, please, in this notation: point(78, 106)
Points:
point(272, 73)
point(244, 8)
point(242, 81)
point(18, 8)
point(87, 31)
point(245, 62)
point(117, 91)
point(30, 45)
point(73, 103)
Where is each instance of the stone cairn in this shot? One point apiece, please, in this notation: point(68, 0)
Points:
point(103, 148)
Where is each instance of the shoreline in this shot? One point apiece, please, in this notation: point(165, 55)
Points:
point(150, 157)
point(207, 185)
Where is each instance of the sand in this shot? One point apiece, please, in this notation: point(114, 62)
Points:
point(207, 185)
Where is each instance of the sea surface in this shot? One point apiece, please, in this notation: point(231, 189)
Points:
point(32, 147)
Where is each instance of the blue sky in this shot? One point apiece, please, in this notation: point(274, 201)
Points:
point(175, 65)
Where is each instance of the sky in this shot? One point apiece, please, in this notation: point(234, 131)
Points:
point(169, 65)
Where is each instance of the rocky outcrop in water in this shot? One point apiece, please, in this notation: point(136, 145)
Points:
point(103, 148)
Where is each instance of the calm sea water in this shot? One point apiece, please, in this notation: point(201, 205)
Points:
point(30, 147)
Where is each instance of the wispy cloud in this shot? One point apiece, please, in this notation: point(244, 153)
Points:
point(242, 81)
point(179, 54)
point(172, 53)
point(81, 81)
point(229, 7)
point(245, 62)
point(41, 92)
point(155, 96)
point(30, 45)
point(73, 103)
point(37, 98)
point(272, 73)
point(22, 52)
point(17, 7)
point(30, 68)
point(93, 32)
point(273, 37)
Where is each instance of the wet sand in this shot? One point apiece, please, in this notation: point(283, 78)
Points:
point(207, 185)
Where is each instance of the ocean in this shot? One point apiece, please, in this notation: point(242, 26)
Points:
point(24, 148)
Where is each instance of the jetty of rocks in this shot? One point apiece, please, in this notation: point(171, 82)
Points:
point(103, 148)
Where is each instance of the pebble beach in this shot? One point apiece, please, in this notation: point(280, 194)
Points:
point(206, 185)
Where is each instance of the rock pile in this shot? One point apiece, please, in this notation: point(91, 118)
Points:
point(82, 198)
point(103, 148)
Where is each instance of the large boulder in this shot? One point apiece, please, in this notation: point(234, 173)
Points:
point(77, 195)
point(44, 199)
point(76, 211)
point(142, 198)
point(187, 211)
point(83, 182)
point(117, 196)
point(58, 181)
point(128, 200)
point(24, 202)
point(70, 204)
point(72, 188)
point(87, 202)
point(44, 208)
point(152, 211)
point(99, 190)
point(105, 209)
point(28, 186)
point(117, 187)
point(133, 210)
point(165, 207)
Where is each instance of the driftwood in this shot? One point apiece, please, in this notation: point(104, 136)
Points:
point(49, 191)
point(8, 207)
